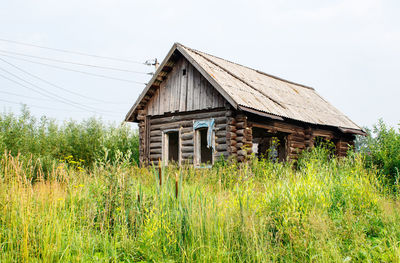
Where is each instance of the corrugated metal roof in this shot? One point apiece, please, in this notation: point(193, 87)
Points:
point(262, 92)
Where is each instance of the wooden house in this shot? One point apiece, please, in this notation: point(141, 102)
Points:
point(198, 107)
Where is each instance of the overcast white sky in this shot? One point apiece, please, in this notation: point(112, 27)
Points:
point(349, 51)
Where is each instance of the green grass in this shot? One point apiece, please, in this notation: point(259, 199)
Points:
point(72, 192)
point(327, 210)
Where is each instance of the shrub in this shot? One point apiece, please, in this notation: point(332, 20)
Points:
point(87, 142)
point(381, 149)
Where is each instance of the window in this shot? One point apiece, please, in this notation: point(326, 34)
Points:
point(204, 142)
point(203, 151)
point(269, 145)
point(171, 147)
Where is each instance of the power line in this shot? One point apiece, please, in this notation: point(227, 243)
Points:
point(75, 63)
point(44, 91)
point(23, 96)
point(74, 70)
point(54, 85)
point(41, 107)
point(73, 52)
point(30, 105)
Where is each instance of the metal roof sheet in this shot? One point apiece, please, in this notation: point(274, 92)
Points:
point(262, 92)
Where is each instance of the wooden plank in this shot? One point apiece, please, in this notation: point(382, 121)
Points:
point(156, 110)
point(197, 87)
point(177, 85)
point(203, 95)
point(162, 98)
point(189, 101)
point(171, 83)
point(183, 87)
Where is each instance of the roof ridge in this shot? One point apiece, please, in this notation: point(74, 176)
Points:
point(256, 70)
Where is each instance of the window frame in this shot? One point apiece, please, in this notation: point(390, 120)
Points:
point(165, 146)
point(197, 148)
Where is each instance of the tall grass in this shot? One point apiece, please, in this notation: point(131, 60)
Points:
point(73, 193)
point(326, 210)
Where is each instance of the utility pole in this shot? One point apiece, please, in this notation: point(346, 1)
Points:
point(156, 64)
point(153, 62)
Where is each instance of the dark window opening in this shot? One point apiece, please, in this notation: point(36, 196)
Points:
point(323, 142)
point(173, 146)
point(270, 146)
point(203, 154)
point(184, 72)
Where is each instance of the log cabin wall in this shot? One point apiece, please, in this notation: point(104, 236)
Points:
point(239, 135)
point(301, 136)
point(183, 122)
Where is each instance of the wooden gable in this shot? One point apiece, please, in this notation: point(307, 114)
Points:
point(184, 89)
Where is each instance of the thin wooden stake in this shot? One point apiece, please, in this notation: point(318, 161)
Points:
point(159, 172)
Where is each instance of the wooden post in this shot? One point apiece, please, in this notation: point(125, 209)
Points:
point(176, 186)
point(159, 172)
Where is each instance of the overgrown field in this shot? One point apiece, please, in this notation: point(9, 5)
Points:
point(56, 205)
point(326, 210)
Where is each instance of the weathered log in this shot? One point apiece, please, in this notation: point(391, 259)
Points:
point(240, 125)
point(155, 151)
point(231, 135)
point(239, 145)
point(220, 133)
point(220, 140)
point(220, 120)
point(241, 118)
point(186, 129)
point(187, 136)
point(297, 144)
point(189, 117)
point(232, 149)
point(155, 133)
point(155, 145)
point(187, 143)
point(240, 132)
point(232, 128)
point(221, 126)
point(221, 147)
point(187, 149)
point(239, 138)
point(155, 139)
